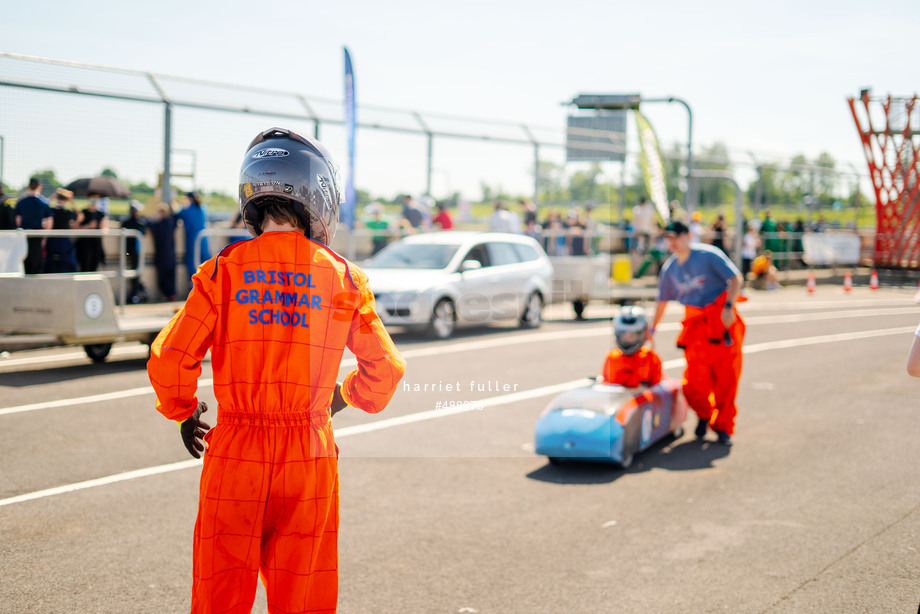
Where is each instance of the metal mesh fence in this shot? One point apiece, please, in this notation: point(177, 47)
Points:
point(78, 119)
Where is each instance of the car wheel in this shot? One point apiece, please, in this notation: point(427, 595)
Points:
point(626, 462)
point(97, 352)
point(443, 319)
point(533, 312)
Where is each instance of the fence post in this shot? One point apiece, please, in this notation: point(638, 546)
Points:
point(122, 290)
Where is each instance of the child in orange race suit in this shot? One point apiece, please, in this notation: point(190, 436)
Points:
point(276, 313)
point(633, 363)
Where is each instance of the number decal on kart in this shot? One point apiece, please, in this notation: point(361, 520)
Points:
point(646, 433)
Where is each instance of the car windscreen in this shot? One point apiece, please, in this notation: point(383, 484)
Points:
point(413, 256)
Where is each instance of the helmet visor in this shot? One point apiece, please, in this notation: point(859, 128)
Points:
point(629, 338)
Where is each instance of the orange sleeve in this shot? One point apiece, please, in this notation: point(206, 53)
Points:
point(380, 367)
point(607, 372)
point(654, 367)
point(177, 352)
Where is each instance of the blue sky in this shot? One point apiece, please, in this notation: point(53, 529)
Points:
point(769, 78)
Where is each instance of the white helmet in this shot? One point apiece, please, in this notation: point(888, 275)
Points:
point(630, 328)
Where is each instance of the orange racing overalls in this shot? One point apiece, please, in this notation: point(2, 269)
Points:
point(642, 368)
point(276, 313)
point(713, 355)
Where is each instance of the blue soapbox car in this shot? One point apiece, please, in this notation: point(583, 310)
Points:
point(609, 423)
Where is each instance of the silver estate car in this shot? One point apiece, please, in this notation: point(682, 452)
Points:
point(439, 280)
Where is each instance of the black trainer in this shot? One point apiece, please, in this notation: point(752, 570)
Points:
point(724, 438)
point(701, 427)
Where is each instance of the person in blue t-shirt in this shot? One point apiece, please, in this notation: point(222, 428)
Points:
point(704, 280)
point(194, 218)
point(33, 213)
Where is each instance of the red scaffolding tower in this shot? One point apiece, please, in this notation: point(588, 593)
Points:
point(889, 129)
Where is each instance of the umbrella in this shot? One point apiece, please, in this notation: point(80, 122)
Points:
point(103, 186)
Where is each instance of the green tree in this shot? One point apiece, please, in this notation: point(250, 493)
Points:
point(550, 183)
point(487, 193)
point(674, 161)
point(583, 185)
point(362, 197)
point(796, 180)
point(49, 181)
point(767, 186)
point(825, 179)
point(141, 188)
point(636, 189)
point(107, 172)
point(714, 191)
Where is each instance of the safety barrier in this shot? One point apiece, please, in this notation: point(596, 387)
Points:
point(122, 273)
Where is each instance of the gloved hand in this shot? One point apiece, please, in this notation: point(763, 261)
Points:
point(193, 430)
point(338, 403)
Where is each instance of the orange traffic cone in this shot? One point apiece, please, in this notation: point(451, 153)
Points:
point(811, 282)
point(873, 280)
point(847, 282)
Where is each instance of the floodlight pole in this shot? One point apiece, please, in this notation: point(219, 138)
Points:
point(312, 114)
point(855, 197)
point(758, 194)
point(430, 134)
point(536, 161)
point(634, 101)
point(165, 189)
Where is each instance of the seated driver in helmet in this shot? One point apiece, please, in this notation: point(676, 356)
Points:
point(276, 313)
point(633, 363)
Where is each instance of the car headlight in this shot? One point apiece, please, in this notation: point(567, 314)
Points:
point(408, 303)
point(398, 304)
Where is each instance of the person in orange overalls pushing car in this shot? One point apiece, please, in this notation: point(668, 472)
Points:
point(705, 281)
point(632, 363)
point(276, 313)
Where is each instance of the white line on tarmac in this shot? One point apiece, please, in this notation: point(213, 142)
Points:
point(754, 305)
point(141, 350)
point(503, 341)
point(833, 315)
point(438, 350)
point(125, 350)
point(94, 398)
point(514, 397)
point(852, 336)
point(111, 479)
point(505, 399)
point(469, 346)
point(431, 414)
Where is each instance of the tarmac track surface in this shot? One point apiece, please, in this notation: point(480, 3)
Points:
point(446, 509)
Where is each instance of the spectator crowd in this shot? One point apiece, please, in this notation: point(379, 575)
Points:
point(565, 232)
point(75, 252)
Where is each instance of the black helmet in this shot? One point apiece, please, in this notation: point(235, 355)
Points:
point(281, 165)
point(630, 328)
